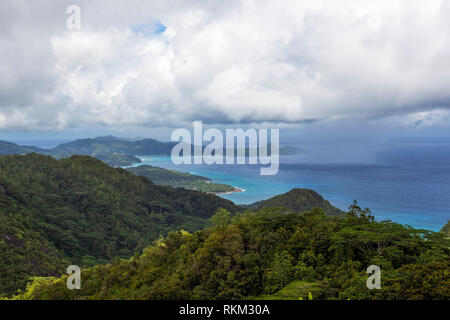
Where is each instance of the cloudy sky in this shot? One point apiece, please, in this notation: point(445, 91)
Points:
point(140, 64)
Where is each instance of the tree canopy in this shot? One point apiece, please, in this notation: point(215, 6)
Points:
point(271, 254)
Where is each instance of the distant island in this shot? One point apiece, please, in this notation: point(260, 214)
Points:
point(178, 179)
point(112, 150)
point(122, 152)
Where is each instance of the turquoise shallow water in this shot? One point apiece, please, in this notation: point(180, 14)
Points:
point(409, 186)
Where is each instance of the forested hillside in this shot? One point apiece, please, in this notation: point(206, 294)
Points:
point(24, 252)
point(83, 211)
point(271, 254)
point(299, 200)
point(446, 229)
point(79, 210)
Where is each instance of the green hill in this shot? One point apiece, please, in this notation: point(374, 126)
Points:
point(446, 229)
point(178, 179)
point(272, 254)
point(24, 252)
point(299, 200)
point(84, 211)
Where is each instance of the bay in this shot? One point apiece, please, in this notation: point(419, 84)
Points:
point(408, 185)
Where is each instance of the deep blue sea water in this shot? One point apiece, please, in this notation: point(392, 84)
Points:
point(408, 184)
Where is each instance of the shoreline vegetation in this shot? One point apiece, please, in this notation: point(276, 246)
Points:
point(126, 153)
point(178, 179)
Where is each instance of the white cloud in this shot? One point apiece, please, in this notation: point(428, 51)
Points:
point(239, 61)
point(422, 119)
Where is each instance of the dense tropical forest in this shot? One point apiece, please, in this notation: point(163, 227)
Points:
point(271, 254)
point(138, 240)
point(83, 211)
point(299, 200)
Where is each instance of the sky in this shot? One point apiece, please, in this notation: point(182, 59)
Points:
point(348, 70)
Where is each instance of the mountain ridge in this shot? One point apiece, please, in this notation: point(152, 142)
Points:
point(85, 211)
point(112, 150)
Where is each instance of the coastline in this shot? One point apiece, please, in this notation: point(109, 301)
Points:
point(210, 180)
point(236, 189)
point(341, 184)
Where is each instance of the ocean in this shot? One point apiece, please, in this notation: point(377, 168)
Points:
point(408, 184)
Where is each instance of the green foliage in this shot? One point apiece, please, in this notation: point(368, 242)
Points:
point(299, 290)
point(299, 200)
point(355, 212)
point(446, 229)
point(24, 253)
point(304, 272)
point(409, 282)
point(271, 254)
point(221, 218)
point(178, 179)
point(279, 273)
point(82, 211)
